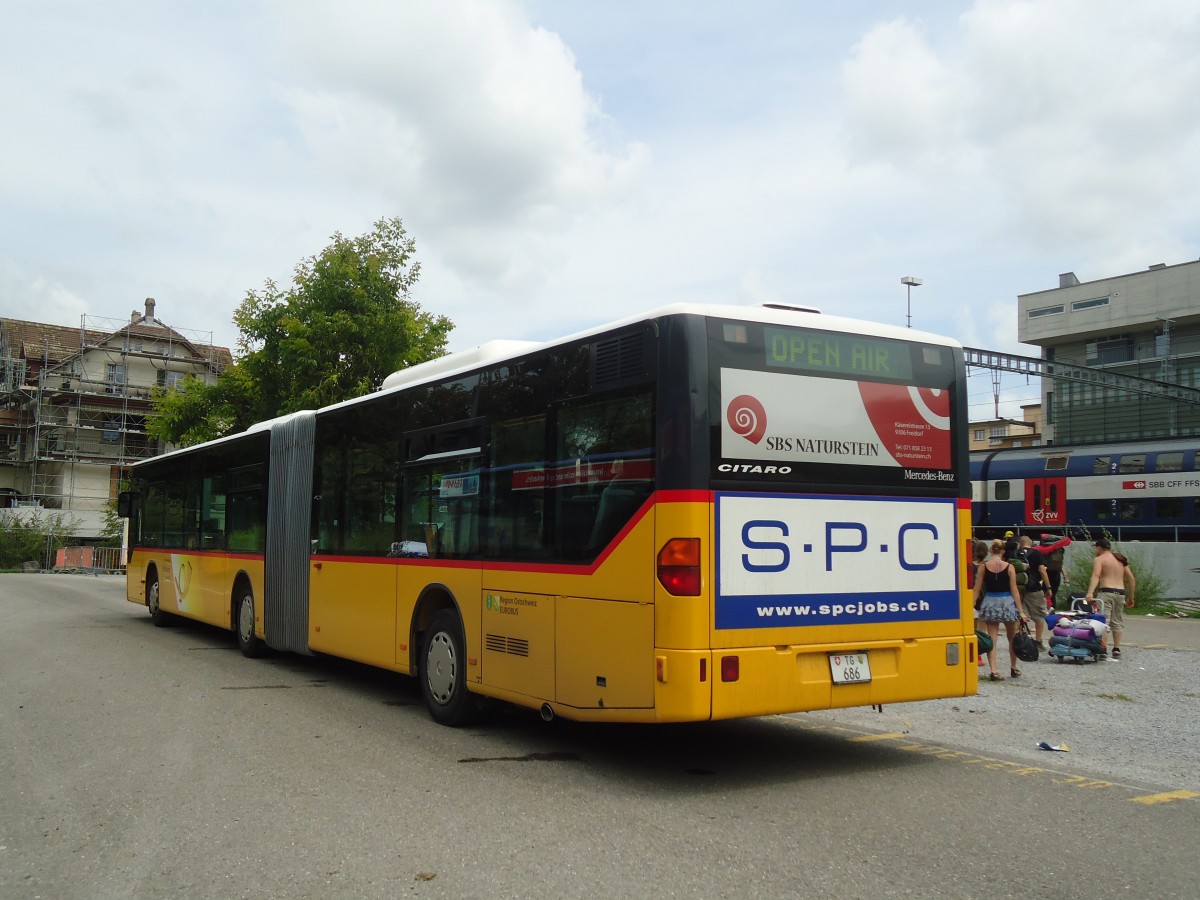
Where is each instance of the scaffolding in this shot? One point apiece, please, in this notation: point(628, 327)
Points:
point(74, 410)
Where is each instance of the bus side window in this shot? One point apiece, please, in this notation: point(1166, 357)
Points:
point(153, 514)
point(370, 500)
point(516, 489)
point(244, 521)
point(212, 512)
point(606, 455)
point(439, 508)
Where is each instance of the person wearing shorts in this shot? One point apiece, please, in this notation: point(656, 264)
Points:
point(1033, 598)
point(1108, 583)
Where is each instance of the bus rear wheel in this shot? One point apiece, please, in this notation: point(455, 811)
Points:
point(243, 622)
point(444, 673)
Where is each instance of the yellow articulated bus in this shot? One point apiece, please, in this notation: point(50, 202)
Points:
point(702, 512)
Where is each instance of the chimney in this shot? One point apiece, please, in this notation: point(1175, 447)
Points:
point(135, 317)
point(1067, 279)
point(150, 308)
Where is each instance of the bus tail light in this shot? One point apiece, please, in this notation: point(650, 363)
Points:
point(730, 668)
point(679, 567)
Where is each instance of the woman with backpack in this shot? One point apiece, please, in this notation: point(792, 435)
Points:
point(999, 601)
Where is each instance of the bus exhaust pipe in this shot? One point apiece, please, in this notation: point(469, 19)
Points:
point(547, 713)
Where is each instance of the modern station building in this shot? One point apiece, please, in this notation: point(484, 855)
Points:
point(1146, 325)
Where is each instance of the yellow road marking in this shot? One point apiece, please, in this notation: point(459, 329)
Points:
point(1167, 797)
point(1011, 767)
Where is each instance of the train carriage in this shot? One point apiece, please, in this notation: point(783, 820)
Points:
point(1142, 490)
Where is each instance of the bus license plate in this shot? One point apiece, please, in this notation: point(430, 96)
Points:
point(849, 668)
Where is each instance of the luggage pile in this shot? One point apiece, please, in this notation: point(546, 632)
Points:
point(1078, 636)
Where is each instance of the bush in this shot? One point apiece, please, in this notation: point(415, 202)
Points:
point(1150, 594)
point(25, 536)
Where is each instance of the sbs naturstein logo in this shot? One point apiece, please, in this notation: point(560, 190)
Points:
point(747, 417)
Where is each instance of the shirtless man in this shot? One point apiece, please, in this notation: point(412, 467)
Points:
point(1108, 581)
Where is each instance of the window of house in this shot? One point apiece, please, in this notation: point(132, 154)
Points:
point(1089, 304)
point(1109, 350)
point(167, 378)
point(1045, 311)
point(980, 434)
point(114, 373)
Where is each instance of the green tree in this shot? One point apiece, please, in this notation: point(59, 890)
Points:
point(345, 324)
point(192, 412)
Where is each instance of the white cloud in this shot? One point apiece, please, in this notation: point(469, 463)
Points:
point(471, 121)
point(42, 301)
point(1084, 116)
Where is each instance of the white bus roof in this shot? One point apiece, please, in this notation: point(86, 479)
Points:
point(465, 361)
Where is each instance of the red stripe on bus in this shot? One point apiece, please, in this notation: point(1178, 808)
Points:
point(215, 554)
point(684, 496)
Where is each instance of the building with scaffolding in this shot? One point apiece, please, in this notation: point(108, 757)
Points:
point(74, 403)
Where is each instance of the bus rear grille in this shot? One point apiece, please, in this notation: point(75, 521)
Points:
point(499, 643)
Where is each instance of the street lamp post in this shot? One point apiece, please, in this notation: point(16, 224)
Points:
point(910, 282)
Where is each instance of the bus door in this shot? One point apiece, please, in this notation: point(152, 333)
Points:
point(439, 522)
point(1046, 501)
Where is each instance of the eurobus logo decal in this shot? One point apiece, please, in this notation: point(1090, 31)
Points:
point(747, 417)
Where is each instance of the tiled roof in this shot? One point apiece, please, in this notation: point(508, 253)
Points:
point(36, 341)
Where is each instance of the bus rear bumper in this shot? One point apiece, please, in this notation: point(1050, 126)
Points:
point(764, 681)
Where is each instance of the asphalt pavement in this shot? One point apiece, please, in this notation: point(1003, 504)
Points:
point(1161, 632)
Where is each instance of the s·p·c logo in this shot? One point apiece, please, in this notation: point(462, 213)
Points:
point(747, 417)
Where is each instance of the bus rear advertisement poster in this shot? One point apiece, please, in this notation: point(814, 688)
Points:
point(804, 418)
point(833, 560)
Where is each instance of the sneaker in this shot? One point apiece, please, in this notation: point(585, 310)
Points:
point(1116, 652)
point(1041, 647)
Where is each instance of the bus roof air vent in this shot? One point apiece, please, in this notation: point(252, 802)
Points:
point(619, 359)
point(792, 307)
point(464, 359)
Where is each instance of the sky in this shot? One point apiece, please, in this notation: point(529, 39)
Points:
point(563, 163)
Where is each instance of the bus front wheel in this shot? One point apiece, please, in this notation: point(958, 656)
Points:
point(243, 623)
point(443, 671)
point(154, 604)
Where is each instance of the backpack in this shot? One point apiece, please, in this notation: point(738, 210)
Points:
point(1022, 568)
point(1054, 560)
